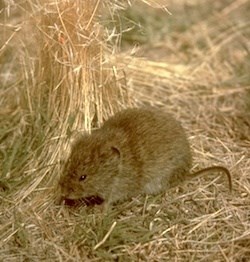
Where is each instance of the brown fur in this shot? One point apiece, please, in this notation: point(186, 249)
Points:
point(137, 151)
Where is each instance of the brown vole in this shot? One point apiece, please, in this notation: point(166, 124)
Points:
point(137, 151)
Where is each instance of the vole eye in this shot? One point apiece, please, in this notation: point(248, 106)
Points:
point(83, 177)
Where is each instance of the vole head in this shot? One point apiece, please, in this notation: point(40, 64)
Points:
point(90, 169)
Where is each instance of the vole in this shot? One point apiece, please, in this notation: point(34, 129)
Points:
point(136, 151)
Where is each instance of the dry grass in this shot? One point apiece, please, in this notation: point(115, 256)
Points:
point(58, 78)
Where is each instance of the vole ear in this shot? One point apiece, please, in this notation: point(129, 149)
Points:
point(116, 151)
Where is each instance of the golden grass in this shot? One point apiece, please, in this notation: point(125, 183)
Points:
point(58, 78)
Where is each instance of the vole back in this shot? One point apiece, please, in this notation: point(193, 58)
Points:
point(154, 144)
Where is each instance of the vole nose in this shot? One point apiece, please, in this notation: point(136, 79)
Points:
point(60, 200)
point(63, 192)
point(66, 189)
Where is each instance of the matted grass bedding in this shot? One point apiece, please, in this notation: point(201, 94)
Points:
point(193, 63)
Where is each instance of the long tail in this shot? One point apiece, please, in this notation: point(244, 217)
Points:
point(218, 169)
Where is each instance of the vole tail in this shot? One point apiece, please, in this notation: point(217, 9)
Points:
point(206, 170)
